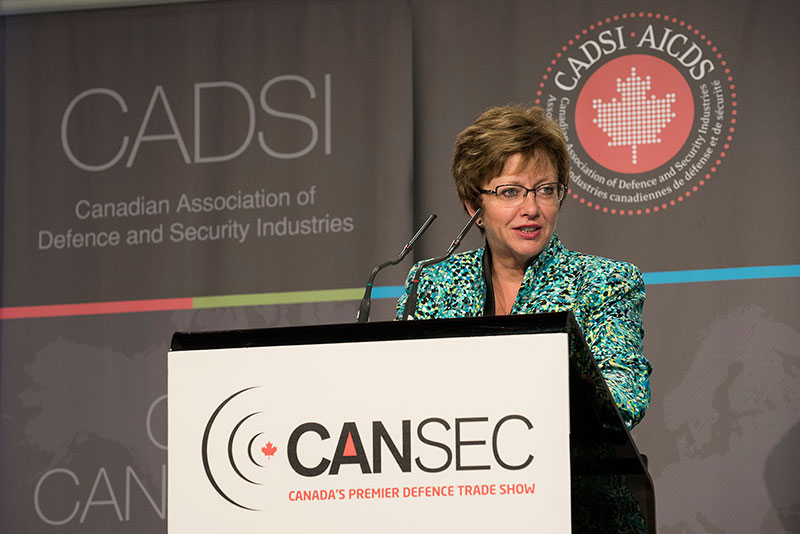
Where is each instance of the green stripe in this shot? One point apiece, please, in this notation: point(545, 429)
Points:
point(284, 297)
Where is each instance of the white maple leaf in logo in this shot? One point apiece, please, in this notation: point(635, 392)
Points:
point(635, 119)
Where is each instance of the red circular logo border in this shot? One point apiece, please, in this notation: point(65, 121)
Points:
point(729, 131)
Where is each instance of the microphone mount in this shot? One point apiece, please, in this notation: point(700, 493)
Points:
point(362, 316)
point(411, 301)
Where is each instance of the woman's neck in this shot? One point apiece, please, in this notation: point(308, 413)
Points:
point(506, 281)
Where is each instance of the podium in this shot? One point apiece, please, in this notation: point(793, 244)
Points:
point(501, 423)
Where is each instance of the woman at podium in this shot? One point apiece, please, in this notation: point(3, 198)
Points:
point(513, 162)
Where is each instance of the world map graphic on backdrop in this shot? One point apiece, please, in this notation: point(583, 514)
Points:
point(648, 106)
point(729, 410)
point(99, 470)
point(76, 445)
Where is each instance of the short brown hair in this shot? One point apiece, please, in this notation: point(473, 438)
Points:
point(483, 148)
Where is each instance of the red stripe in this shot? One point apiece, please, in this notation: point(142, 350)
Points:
point(96, 308)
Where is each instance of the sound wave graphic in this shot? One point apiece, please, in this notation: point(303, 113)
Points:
point(232, 453)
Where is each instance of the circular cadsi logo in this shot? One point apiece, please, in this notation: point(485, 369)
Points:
point(648, 105)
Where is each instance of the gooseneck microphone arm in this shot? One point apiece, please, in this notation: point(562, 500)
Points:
point(411, 301)
point(366, 302)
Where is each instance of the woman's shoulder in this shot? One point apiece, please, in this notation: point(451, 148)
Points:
point(452, 288)
point(597, 282)
point(600, 270)
point(602, 264)
point(463, 264)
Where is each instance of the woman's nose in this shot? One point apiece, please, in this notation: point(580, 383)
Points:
point(530, 205)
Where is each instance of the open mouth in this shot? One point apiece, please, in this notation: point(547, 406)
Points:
point(528, 230)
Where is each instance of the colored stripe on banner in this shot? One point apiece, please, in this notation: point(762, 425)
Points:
point(386, 292)
point(95, 308)
point(286, 297)
point(351, 294)
point(722, 275)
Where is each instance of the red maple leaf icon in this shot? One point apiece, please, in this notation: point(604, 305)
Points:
point(269, 449)
point(634, 120)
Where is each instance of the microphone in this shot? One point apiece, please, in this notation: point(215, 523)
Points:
point(411, 301)
point(363, 309)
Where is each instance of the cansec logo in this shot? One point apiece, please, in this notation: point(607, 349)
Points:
point(244, 449)
point(648, 105)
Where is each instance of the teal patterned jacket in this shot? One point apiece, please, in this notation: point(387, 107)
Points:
point(606, 297)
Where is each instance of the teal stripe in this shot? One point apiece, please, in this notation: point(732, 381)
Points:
point(387, 292)
point(670, 277)
point(722, 275)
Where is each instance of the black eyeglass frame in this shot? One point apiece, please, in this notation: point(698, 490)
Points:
point(560, 188)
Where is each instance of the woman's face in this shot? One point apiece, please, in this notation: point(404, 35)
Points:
point(518, 234)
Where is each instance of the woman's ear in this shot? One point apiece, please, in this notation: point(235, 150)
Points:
point(470, 209)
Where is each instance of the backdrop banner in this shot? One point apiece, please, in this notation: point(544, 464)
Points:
point(244, 164)
point(166, 160)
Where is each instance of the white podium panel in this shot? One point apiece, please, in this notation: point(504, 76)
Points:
point(467, 434)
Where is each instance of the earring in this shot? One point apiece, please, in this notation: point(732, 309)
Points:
point(479, 222)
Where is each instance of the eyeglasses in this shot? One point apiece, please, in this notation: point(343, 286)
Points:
point(510, 195)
